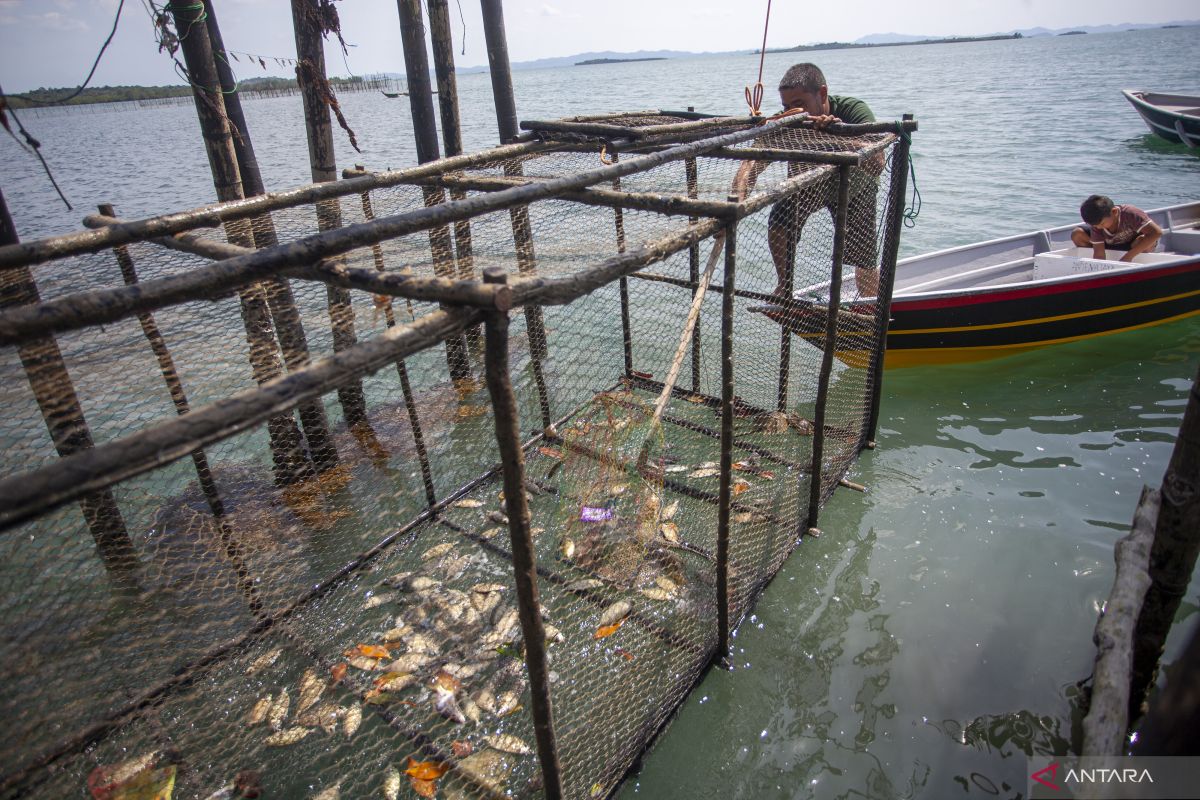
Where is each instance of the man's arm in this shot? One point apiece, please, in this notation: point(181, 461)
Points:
point(1147, 238)
point(1098, 250)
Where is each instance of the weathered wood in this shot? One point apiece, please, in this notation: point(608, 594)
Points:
point(1106, 726)
point(512, 457)
point(692, 177)
point(280, 299)
point(499, 68)
point(1169, 728)
point(724, 493)
point(1174, 553)
point(311, 77)
point(287, 451)
point(54, 392)
point(26, 496)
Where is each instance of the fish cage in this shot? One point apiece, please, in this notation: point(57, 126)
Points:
point(446, 481)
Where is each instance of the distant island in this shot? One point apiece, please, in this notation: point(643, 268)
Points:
point(859, 45)
point(1073, 33)
point(592, 61)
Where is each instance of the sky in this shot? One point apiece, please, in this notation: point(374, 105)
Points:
point(52, 43)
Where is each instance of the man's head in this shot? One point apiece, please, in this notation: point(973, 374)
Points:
point(1097, 210)
point(803, 87)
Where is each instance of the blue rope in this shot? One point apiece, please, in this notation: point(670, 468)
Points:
point(913, 209)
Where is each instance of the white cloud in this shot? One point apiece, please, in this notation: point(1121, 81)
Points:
point(550, 11)
point(57, 21)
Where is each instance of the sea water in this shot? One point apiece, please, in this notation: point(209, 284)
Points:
point(935, 635)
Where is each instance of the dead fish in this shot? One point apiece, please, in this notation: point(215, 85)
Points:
point(567, 548)
point(394, 634)
point(771, 424)
point(676, 468)
point(507, 743)
point(468, 502)
point(705, 472)
point(397, 580)
point(445, 704)
point(615, 613)
point(409, 662)
point(365, 664)
point(485, 602)
point(471, 711)
point(800, 424)
point(376, 600)
point(666, 584)
point(747, 516)
point(126, 770)
point(584, 585)
point(419, 583)
point(421, 643)
point(332, 793)
point(260, 711)
point(486, 700)
point(536, 532)
point(437, 551)
point(670, 532)
point(655, 593)
point(490, 532)
point(279, 710)
point(554, 635)
point(618, 490)
point(395, 681)
point(507, 703)
point(284, 738)
point(669, 512)
point(391, 783)
point(264, 661)
point(497, 517)
point(324, 716)
point(487, 588)
point(311, 688)
point(351, 720)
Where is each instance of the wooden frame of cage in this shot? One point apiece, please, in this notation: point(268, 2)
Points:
point(466, 303)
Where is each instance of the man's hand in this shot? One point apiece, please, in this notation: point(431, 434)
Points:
point(823, 121)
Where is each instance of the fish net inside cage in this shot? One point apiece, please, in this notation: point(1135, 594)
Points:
point(257, 541)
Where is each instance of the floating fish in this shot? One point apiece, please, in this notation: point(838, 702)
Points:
point(365, 664)
point(670, 532)
point(747, 516)
point(397, 580)
point(338, 671)
point(461, 748)
point(672, 468)
point(391, 783)
point(470, 710)
point(394, 634)
point(419, 583)
point(666, 584)
point(567, 548)
point(286, 737)
point(394, 681)
point(497, 517)
point(656, 593)
point(507, 703)
point(554, 635)
point(324, 716)
point(332, 793)
point(740, 486)
point(311, 688)
point(486, 700)
point(446, 681)
point(376, 600)
point(618, 490)
point(351, 720)
point(437, 551)
point(279, 710)
point(422, 643)
point(264, 661)
point(616, 612)
point(705, 472)
point(115, 776)
point(669, 512)
point(771, 424)
point(490, 532)
point(409, 662)
point(468, 502)
point(486, 588)
point(260, 711)
point(550, 452)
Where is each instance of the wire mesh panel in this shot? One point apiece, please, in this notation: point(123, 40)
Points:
point(302, 510)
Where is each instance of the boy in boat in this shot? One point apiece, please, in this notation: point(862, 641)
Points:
point(1110, 225)
point(803, 88)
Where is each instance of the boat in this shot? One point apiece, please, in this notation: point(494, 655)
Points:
point(1174, 117)
point(1011, 295)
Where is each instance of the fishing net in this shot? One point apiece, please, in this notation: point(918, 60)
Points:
point(255, 532)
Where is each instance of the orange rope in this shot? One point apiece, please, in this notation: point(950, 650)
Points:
point(754, 96)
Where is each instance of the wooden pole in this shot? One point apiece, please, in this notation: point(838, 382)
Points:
point(500, 69)
point(310, 74)
point(692, 174)
point(290, 460)
point(512, 457)
point(447, 83)
point(55, 395)
point(280, 298)
point(1173, 554)
point(420, 98)
point(816, 471)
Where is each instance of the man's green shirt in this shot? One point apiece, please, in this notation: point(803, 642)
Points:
point(850, 110)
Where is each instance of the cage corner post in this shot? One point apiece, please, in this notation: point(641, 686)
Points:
point(725, 492)
point(512, 459)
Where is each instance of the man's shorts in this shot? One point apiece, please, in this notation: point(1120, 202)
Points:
point(861, 248)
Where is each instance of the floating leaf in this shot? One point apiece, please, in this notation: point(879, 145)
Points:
point(550, 452)
point(669, 531)
point(461, 748)
point(426, 770)
point(339, 671)
point(447, 681)
point(623, 653)
point(694, 398)
point(423, 788)
point(740, 486)
point(372, 650)
point(604, 631)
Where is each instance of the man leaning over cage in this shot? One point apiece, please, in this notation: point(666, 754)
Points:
point(803, 89)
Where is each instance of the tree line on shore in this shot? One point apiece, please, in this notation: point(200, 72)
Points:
point(119, 94)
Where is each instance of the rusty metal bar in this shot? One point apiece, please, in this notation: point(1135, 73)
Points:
point(816, 473)
point(23, 497)
point(887, 278)
point(724, 493)
point(508, 438)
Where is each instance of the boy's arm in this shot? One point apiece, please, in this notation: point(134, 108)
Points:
point(1147, 238)
point(1098, 250)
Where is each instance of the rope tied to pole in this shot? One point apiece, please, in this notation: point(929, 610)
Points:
point(754, 96)
point(913, 209)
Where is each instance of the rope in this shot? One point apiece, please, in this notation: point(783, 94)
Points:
point(754, 96)
point(913, 209)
